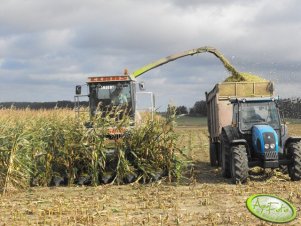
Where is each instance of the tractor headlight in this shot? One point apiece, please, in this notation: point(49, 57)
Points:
point(272, 146)
point(266, 146)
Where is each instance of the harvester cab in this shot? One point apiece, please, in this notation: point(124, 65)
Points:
point(108, 92)
point(111, 91)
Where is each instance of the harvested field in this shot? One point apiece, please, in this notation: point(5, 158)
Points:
point(204, 197)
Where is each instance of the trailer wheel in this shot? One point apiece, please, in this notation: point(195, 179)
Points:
point(239, 164)
point(213, 154)
point(218, 151)
point(225, 155)
point(294, 168)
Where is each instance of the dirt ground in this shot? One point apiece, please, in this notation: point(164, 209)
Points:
point(204, 197)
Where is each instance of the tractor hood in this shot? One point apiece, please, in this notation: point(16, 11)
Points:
point(264, 139)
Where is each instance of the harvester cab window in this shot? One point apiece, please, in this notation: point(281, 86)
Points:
point(258, 113)
point(120, 95)
point(116, 94)
point(105, 95)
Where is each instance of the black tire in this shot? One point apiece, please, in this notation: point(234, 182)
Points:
point(283, 169)
point(239, 164)
point(225, 155)
point(294, 168)
point(213, 154)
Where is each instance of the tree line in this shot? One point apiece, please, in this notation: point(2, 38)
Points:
point(289, 107)
point(198, 109)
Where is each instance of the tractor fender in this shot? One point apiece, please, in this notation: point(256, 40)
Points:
point(291, 139)
point(242, 142)
point(239, 141)
point(230, 132)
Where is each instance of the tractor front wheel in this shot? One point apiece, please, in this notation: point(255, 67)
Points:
point(239, 164)
point(294, 168)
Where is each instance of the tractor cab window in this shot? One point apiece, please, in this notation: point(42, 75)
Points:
point(258, 113)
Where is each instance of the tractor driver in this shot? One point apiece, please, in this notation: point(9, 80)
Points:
point(252, 115)
point(118, 97)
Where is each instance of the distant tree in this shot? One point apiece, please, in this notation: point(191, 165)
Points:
point(181, 110)
point(290, 107)
point(199, 108)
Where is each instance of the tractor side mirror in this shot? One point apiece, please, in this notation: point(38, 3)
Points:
point(78, 90)
point(282, 117)
point(141, 86)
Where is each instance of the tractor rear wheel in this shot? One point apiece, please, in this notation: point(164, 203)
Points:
point(294, 168)
point(225, 155)
point(239, 164)
point(213, 154)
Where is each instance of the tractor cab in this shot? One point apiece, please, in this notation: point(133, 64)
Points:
point(258, 123)
point(248, 112)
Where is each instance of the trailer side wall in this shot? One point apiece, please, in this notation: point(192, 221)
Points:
point(219, 108)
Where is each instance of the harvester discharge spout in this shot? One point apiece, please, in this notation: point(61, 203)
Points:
point(191, 52)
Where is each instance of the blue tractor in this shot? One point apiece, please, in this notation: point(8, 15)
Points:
point(256, 137)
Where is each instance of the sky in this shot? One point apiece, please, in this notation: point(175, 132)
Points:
point(47, 47)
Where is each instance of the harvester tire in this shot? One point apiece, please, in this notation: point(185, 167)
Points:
point(225, 156)
point(213, 154)
point(294, 154)
point(239, 164)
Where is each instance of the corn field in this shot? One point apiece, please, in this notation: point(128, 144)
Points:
point(54, 147)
